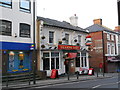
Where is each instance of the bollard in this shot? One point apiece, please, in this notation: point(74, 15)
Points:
point(7, 81)
point(68, 76)
point(29, 78)
point(77, 75)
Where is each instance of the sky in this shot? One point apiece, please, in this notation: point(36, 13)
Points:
point(86, 10)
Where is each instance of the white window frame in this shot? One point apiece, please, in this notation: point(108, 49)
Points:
point(108, 36)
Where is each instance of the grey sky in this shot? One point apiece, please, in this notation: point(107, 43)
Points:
point(86, 10)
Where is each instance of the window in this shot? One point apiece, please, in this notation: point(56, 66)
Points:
point(78, 60)
point(83, 59)
point(51, 37)
point(108, 49)
point(52, 57)
point(67, 38)
point(79, 39)
point(24, 30)
point(6, 3)
point(5, 27)
point(25, 5)
point(112, 37)
point(112, 49)
point(108, 36)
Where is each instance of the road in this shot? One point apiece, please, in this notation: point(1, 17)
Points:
point(97, 83)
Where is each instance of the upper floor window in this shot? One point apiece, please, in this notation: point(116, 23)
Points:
point(112, 37)
point(5, 27)
point(79, 39)
point(67, 38)
point(24, 30)
point(108, 49)
point(108, 36)
point(25, 5)
point(6, 3)
point(51, 37)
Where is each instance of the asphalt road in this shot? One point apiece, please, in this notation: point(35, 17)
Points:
point(93, 84)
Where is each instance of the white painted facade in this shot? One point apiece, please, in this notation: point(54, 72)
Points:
point(59, 33)
point(16, 16)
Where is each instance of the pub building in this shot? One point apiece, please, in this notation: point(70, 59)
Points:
point(60, 45)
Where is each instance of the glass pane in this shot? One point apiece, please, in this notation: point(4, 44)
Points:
point(52, 63)
point(55, 54)
point(45, 55)
point(46, 65)
point(51, 37)
point(85, 62)
point(25, 4)
point(5, 27)
point(82, 62)
point(24, 30)
point(6, 3)
point(78, 62)
point(57, 63)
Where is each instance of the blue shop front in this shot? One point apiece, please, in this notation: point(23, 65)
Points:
point(16, 57)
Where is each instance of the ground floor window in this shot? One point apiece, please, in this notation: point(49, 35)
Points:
point(18, 61)
point(83, 59)
point(78, 60)
point(50, 60)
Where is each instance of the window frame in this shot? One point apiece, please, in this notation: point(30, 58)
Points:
point(10, 22)
point(24, 9)
point(51, 37)
point(24, 34)
point(67, 38)
point(8, 5)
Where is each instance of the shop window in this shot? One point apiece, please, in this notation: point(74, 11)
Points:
point(6, 3)
point(5, 27)
point(51, 37)
point(46, 63)
point(78, 60)
point(82, 62)
point(21, 59)
point(52, 57)
point(25, 5)
point(11, 60)
point(24, 30)
point(83, 59)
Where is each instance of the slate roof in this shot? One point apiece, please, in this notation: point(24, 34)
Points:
point(64, 24)
point(96, 28)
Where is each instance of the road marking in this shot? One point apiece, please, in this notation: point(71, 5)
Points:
point(57, 84)
point(105, 84)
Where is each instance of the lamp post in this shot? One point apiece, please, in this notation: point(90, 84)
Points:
point(34, 53)
point(118, 4)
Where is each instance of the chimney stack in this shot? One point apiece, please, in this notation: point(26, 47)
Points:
point(97, 21)
point(117, 29)
point(74, 20)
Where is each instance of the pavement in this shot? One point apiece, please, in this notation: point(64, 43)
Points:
point(73, 78)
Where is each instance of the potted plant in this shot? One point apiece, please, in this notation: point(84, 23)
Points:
point(43, 46)
point(75, 40)
point(77, 44)
point(60, 42)
point(64, 38)
point(43, 37)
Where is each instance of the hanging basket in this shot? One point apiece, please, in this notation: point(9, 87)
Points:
point(43, 37)
point(75, 40)
point(43, 46)
point(78, 44)
point(64, 38)
point(60, 42)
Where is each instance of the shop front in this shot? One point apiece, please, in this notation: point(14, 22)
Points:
point(113, 64)
point(69, 54)
point(16, 57)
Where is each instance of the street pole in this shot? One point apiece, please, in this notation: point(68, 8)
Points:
point(103, 53)
point(34, 55)
point(118, 4)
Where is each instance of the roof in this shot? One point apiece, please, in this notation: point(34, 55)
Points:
point(64, 24)
point(97, 28)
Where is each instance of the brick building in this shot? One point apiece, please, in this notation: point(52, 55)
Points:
point(104, 48)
